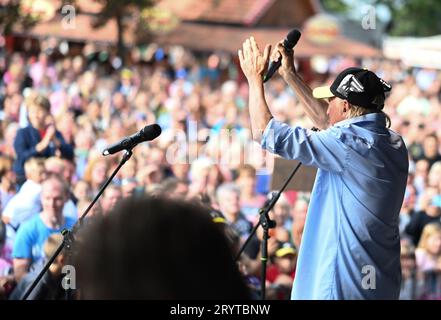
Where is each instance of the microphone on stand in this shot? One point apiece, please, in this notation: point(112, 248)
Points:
point(145, 134)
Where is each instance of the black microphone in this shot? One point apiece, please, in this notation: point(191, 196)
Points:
point(290, 41)
point(145, 134)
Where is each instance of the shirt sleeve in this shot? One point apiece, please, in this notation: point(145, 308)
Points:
point(9, 209)
point(318, 149)
point(22, 244)
point(22, 147)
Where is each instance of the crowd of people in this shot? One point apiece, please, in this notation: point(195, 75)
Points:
point(58, 113)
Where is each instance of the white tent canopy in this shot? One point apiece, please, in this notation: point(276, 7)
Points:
point(414, 52)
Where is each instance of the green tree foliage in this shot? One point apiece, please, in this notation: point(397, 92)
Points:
point(414, 17)
point(336, 6)
point(408, 17)
point(122, 11)
point(11, 14)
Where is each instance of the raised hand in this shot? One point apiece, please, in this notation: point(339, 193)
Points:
point(252, 62)
point(50, 132)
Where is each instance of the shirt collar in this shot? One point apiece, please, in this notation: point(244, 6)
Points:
point(378, 118)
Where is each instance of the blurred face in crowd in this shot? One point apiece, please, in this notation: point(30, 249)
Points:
point(37, 174)
point(407, 258)
point(247, 183)
point(56, 168)
point(67, 64)
point(430, 146)
point(157, 156)
point(69, 170)
point(12, 106)
point(42, 58)
point(214, 176)
point(66, 124)
point(81, 190)
point(13, 88)
point(231, 115)
point(99, 173)
point(422, 168)
point(337, 110)
point(53, 198)
point(414, 135)
point(8, 179)
point(93, 110)
point(119, 102)
point(11, 133)
point(286, 263)
point(178, 113)
point(280, 212)
point(128, 171)
point(118, 129)
point(181, 191)
point(409, 197)
point(84, 140)
point(151, 174)
point(427, 202)
point(111, 198)
point(142, 101)
point(281, 234)
point(434, 178)
point(229, 203)
point(78, 64)
point(128, 188)
point(180, 170)
point(434, 244)
point(432, 210)
point(37, 116)
point(88, 81)
point(300, 210)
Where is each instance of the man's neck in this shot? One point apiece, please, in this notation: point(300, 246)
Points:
point(52, 222)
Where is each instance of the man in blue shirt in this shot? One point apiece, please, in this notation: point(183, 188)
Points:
point(28, 246)
point(350, 247)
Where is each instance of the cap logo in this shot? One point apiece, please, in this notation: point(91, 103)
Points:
point(386, 86)
point(349, 84)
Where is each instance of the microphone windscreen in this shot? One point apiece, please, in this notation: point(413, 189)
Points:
point(292, 38)
point(151, 132)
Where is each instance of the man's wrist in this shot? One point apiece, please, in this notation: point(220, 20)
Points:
point(288, 74)
point(256, 80)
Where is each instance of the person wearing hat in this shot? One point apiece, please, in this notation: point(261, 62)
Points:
point(281, 272)
point(350, 247)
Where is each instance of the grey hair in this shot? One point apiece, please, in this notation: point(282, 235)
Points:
point(225, 188)
point(356, 111)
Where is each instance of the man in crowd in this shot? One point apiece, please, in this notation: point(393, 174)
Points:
point(28, 246)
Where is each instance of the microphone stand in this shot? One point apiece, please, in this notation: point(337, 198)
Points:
point(266, 224)
point(68, 234)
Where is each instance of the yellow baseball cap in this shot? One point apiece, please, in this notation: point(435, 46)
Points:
point(286, 249)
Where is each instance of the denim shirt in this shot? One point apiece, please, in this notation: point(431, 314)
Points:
point(350, 247)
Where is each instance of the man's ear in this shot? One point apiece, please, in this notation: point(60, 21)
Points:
point(346, 106)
